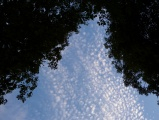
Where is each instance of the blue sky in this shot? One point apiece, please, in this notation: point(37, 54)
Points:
point(84, 87)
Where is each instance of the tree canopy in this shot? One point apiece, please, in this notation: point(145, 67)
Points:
point(32, 32)
point(134, 43)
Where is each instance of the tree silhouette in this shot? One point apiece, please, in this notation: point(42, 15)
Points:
point(30, 33)
point(134, 42)
point(33, 31)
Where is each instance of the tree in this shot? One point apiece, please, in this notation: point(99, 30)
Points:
point(37, 30)
point(30, 33)
point(134, 43)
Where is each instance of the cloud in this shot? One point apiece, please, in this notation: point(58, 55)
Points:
point(84, 87)
point(13, 110)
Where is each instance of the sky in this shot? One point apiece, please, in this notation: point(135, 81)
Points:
point(84, 87)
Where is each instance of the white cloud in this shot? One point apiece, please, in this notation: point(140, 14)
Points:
point(86, 84)
point(84, 87)
point(13, 110)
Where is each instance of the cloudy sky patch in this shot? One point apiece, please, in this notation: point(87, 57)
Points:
point(84, 87)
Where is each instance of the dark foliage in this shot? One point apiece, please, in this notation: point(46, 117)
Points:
point(37, 30)
point(30, 33)
point(134, 43)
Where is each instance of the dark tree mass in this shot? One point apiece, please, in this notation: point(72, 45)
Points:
point(30, 33)
point(134, 43)
point(33, 31)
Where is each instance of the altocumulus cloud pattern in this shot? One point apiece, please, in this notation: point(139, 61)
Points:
point(84, 87)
